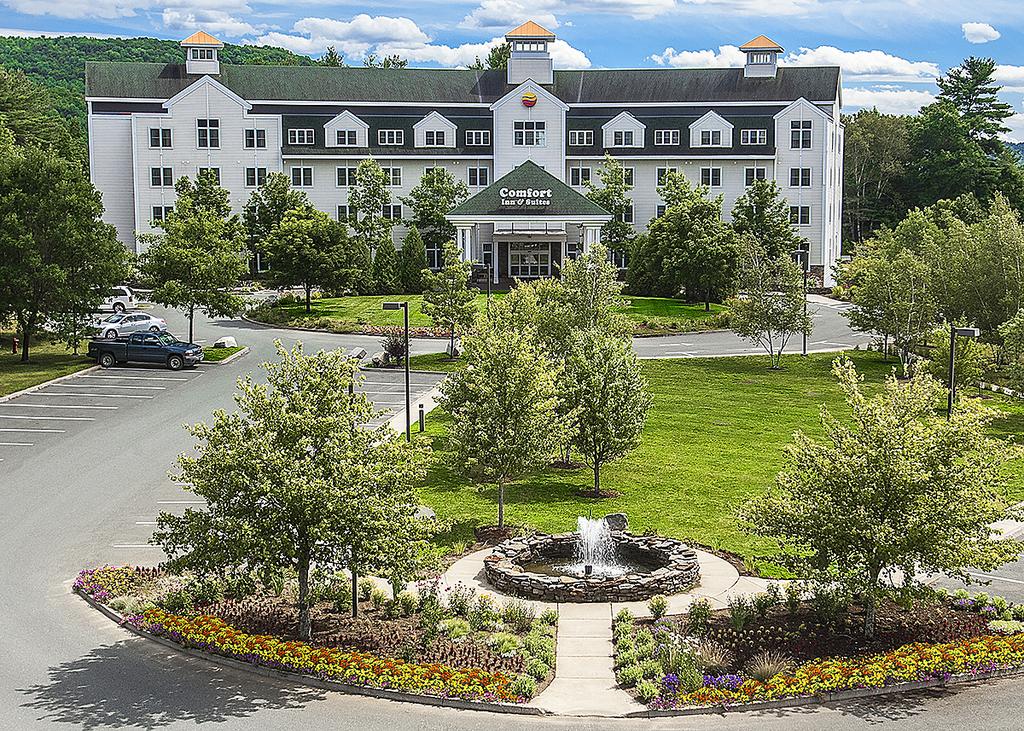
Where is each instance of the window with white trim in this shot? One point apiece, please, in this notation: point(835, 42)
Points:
point(255, 177)
point(579, 176)
point(800, 134)
point(628, 175)
point(202, 54)
point(800, 177)
point(346, 177)
point(208, 133)
point(160, 212)
point(666, 137)
point(478, 137)
point(479, 177)
point(301, 137)
point(660, 173)
point(215, 172)
point(302, 176)
point(529, 260)
point(344, 214)
point(159, 137)
point(659, 211)
point(711, 177)
point(627, 214)
point(161, 177)
point(710, 138)
point(392, 211)
point(434, 255)
point(433, 138)
point(623, 138)
point(752, 174)
point(753, 137)
point(346, 138)
point(529, 133)
point(394, 176)
point(581, 137)
point(800, 215)
point(390, 137)
point(255, 139)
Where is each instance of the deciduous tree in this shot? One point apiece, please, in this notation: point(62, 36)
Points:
point(366, 201)
point(448, 299)
point(763, 214)
point(611, 194)
point(437, 193)
point(893, 490)
point(266, 208)
point(308, 249)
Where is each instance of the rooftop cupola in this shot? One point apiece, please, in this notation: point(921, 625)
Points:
point(201, 54)
point(530, 58)
point(762, 57)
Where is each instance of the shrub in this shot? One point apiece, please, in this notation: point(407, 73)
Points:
point(646, 691)
point(407, 603)
point(623, 615)
point(461, 599)
point(828, 604)
point(537, 668)
point(540, 646)
point(1000, 604)
point(206, 591)
point(543, 628)
point(393, 344)
point(176, 601)
point(625, 644)
point(1018, 612)
point(627, 657)
point(523, 686)
point(1005, 627)
point(549, 617)
point(712, 657)
point(630, 675)
point(740, 611)
point(518, 615)
point(764, 603)
point(378, 598)
point(366, 586)
point(651, 668)
point(484, 615)
point(698, 616)
point(961, 594)
point(792, 597)
point(658, 606)
point(767, 664)
point(455, 627)
point(982, 599)
point(644, 642)
point(505, 643)
point(623, 629)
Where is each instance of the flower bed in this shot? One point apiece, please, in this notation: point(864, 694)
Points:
point(454, 646)
point(758, 651)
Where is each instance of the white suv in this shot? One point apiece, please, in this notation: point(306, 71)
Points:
point(119, 299)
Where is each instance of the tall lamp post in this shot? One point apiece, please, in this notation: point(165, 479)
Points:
point(404, 306)
point(954, 333)
point(486, 264)
point(802, 257)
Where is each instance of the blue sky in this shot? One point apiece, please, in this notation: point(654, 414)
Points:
point(890, 50)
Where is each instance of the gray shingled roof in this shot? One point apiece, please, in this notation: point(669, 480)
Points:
point(564, 201)
point(130, 80)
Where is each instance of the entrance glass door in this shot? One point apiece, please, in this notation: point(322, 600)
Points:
point(529, 260)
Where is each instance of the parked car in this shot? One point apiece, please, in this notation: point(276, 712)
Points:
point(145, 347)
point(119, 299)
point(121, 323)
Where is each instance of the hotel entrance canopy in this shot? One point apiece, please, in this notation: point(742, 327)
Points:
point(528, 202)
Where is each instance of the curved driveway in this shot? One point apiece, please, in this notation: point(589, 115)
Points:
point(84, 497)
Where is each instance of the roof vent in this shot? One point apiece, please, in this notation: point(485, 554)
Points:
point(762, 57)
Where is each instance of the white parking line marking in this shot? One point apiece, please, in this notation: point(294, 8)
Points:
point(88, 395)
point(48, 418)
point(17, 444)
point(138, 378)
point(674, 345)
point(36, 431)
point(145, 522)
point(112, 385)
point(54, 406)
point(993, 577)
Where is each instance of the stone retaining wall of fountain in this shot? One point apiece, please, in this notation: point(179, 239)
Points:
point(676, 569)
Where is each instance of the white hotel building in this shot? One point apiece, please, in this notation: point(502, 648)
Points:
point(151, 123)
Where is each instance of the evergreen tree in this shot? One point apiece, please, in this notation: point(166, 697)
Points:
point(361, 266)
point(385, 270)
point(970, 88)
point(763, 214)
point(412, 261)
point(497, 57)
point(331, 57)
point(437, 193)
point(27, 112)
point(393, 61)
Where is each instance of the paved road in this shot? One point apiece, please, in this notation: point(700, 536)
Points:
point(82, 496)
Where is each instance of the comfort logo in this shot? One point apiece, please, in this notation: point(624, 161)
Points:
point(529, 99)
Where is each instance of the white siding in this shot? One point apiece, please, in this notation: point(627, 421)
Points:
point(110, 166)
point(507, 155)
point(813, 158)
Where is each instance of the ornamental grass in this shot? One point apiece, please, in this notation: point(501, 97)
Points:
point(914, 662)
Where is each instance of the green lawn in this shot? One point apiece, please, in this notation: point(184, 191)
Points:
point(214, 355)
point(651, 315)
point(47, 361)
point(714, 438)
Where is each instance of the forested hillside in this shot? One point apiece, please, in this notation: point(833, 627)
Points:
point(58, 64)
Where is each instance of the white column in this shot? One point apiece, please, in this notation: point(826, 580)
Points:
point(591, 236)
point(464, 238)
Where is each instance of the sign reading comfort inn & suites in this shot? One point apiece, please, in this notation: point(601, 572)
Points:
point(513, 197)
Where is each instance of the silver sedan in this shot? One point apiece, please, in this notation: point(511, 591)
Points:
point(124, 323)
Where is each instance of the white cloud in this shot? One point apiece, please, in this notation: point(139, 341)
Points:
point(502, 15)
point(23, 33)
point(115, 9)
point(856, 65)
point(887, 99)
point(386, 36)
point(212, 21)
point(979, 32)
point(1011, 78)
point(1016, 125)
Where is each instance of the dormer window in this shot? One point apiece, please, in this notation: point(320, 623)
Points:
point(433, 138)
point(622, 138)
point(711, 138)
point(760, 58)
point(202, 54)
point(346, 138)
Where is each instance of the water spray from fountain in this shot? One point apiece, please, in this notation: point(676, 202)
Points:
point(595, 551)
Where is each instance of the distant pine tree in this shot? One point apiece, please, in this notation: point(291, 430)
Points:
point(385, 269)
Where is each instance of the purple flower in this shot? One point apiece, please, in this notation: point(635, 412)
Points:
point(724, 682)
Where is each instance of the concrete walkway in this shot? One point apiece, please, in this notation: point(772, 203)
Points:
point(584, 683)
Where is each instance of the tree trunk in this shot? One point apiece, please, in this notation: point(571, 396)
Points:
point(25, 337)
point(501, 505)
point(870, 612)
point(305, 626)
point(308, 308)
point(597, 479)
point(191, 321)
point(707, 301)
point(451, 342)
point(355, 587)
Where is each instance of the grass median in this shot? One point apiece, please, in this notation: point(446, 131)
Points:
point(47, 360)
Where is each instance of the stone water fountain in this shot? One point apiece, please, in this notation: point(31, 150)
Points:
point(600, 561)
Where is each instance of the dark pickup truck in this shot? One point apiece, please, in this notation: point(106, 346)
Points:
point(145, 347)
